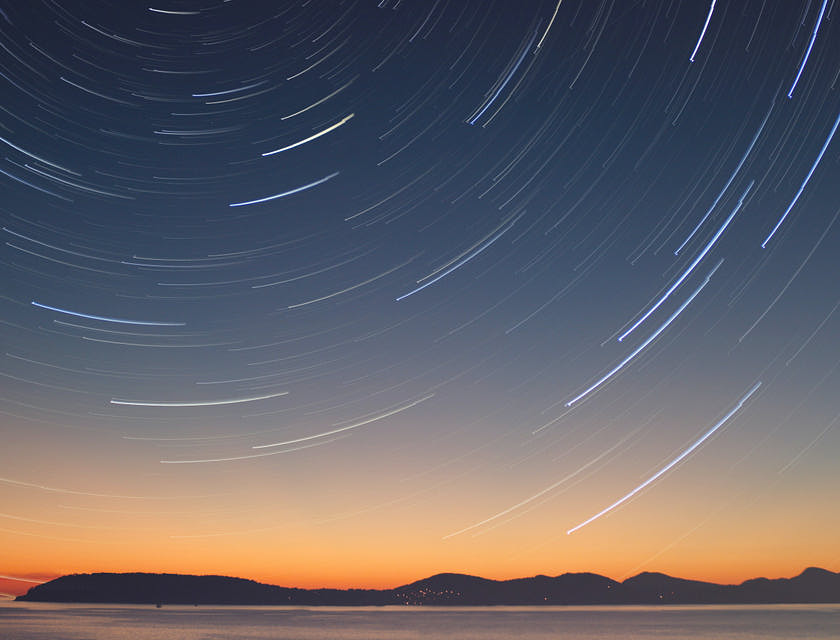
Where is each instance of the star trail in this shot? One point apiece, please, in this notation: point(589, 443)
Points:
point(352, 292)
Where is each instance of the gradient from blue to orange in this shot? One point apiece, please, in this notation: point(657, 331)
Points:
point(398, 242)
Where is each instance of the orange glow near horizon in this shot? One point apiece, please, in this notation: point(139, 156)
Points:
point(249, 521)
point(362, 546)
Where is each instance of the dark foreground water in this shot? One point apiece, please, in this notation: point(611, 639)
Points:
point(30, 621)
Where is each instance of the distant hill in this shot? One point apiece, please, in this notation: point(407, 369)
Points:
point(168, 588)
point(811, 586)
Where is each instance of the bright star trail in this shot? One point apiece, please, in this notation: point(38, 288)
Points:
point(703, 30)
point(670, 465)
point(352, 293)
point(151, 323)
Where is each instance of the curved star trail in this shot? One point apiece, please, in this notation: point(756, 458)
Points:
point(337, 279)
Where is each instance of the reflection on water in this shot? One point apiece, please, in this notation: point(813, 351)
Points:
point(39, 621)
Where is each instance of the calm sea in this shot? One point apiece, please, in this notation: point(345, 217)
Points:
point(37, 621)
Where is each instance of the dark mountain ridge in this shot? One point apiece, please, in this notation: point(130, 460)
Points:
point(813, 585)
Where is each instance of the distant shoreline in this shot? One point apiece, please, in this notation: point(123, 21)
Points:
point(757, 606)
point(812, 586)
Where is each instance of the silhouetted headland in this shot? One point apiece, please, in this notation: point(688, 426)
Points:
point(811, 586)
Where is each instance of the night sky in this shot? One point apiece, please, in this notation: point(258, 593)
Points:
point(349, 293)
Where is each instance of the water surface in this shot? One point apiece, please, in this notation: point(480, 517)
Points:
point(42, 621)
